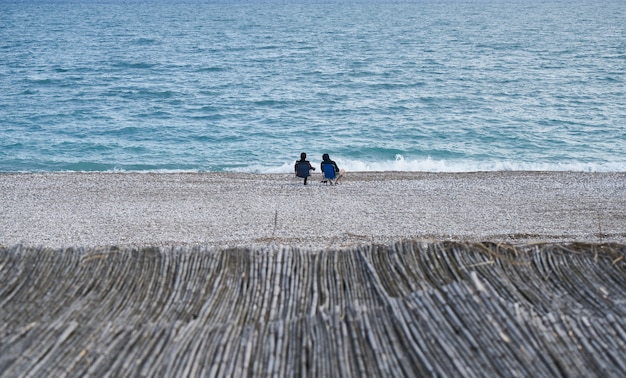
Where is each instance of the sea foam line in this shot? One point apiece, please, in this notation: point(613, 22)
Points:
point(449, 166)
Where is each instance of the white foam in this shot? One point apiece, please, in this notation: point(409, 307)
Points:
point(432, 165)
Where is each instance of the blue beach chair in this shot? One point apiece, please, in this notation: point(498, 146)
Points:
point(303, 170)
point(328, 170)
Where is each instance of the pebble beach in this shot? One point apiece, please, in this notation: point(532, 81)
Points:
point(237, 209)
point(386, 274)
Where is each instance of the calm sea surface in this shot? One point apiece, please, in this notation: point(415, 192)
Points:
point(423, 85)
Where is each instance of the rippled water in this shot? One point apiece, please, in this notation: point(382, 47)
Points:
point(247, 86)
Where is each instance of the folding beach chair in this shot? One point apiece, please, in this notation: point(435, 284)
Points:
point(328, 170)
point(303, 170)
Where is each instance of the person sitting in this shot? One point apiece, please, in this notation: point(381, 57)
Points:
point(330, 170)
point(303, 168)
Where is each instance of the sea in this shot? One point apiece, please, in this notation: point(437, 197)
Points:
point(246, 86)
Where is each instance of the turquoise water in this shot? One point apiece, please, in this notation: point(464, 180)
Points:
point(246, 86)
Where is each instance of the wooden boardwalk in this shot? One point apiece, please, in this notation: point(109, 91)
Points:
point(411, 309)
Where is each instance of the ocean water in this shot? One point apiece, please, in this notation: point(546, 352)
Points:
point(423, 85)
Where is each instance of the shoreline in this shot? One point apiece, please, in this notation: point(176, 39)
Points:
point(94, 209)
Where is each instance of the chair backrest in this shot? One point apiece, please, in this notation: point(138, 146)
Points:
point(303, 170)
point(329, 171)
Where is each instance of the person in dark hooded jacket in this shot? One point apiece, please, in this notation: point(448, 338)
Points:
point(338, 173)
point(303, 167)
